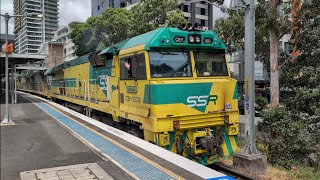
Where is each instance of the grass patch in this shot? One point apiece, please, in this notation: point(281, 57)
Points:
point(304, 173)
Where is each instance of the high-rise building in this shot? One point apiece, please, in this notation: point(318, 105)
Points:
point(31, 32)
point(195, 13)
point(98, 6)
point(200, 13)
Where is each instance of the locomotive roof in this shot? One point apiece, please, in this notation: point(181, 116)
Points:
point(164, 38)
point(158, 38)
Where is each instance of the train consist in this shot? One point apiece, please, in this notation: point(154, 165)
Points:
point(170, 86)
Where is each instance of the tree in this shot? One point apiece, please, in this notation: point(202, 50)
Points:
point(84, 37)
point(152, 14)
point(118, 24)
point(101, 31)
point(293, 131)
point(271, 25)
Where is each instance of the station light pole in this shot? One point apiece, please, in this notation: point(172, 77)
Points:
point(7, 119)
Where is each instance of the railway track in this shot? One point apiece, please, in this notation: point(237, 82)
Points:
point(230, 172)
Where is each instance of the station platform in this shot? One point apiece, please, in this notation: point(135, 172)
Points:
point(50, 141)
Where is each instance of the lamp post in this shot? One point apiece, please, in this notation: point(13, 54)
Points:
point(7, 119)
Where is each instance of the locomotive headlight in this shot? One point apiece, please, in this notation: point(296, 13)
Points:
point(191, 39)
point(233, 129)
point(198, 40)
point(227, 107)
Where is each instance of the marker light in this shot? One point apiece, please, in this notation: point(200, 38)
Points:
point(198, 40)
point(194, 39)
point(191, 39)
point(208, 40)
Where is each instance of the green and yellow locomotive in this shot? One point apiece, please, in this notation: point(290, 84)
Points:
point(171, 87)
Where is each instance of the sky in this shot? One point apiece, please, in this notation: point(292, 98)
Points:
point(69, 10)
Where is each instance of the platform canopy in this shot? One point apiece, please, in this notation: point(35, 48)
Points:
point(19, 59)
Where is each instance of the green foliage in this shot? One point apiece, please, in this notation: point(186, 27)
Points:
point(294, 130)
point(83, 36)
point(152, 14)
point(231, 30)
point(304, 173)
point(286, 136)
point(118, 24)
point(261, 102)
point(100, 31)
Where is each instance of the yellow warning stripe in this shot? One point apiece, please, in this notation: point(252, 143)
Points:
point(225, 149)
point(233, 144)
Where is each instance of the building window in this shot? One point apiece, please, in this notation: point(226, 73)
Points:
point(98, 8)
point(203, 22)
point(203, 11)
point(122, 4)
point(185, 8)
point(111, 3)
point(102, 5)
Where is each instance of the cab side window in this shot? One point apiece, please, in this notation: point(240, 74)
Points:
point(133, 67)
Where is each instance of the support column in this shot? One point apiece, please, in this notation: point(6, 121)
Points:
point(12, 83)
point(210, 16)
point(15, 84)
point(7, 116)
point(193, 13)
point(250, 159)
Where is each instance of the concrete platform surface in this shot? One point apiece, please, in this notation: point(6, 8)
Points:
point(37, 141)
point(74, 172)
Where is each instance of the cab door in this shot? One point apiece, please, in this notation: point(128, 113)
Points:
point(133, 80)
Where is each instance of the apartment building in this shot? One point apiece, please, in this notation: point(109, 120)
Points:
point(195, 13)
point(62, 35)
point(200, 13)
point(31, 32)
point(98, 6)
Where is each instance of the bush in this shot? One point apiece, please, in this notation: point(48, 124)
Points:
point(285, 135)
point(261, 102)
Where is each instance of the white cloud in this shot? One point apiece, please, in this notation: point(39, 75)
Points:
point(69, 10)
point(6, 7)
point(74, 10)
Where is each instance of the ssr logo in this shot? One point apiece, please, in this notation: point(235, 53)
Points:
point(103, 82)
point(198, 101)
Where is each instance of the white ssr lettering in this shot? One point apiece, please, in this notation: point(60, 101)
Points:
point(202, 100)
point(197, 101)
